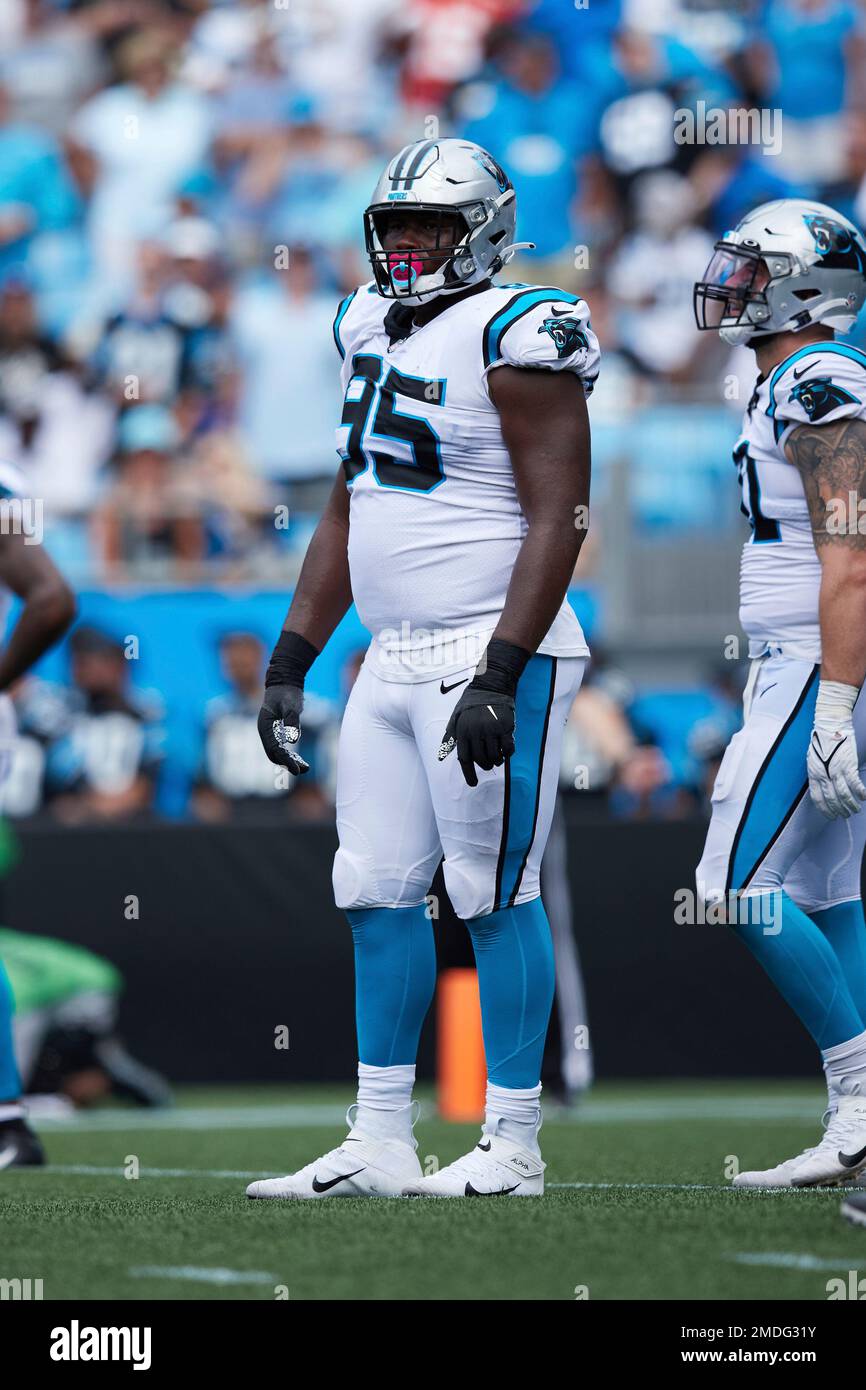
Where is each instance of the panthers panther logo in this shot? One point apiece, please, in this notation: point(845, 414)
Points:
point(489, 164)
point(821, 396)
point(566, 333)
point(838, 247)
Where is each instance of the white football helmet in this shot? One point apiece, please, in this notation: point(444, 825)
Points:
point(444, 176)
point(788, 264)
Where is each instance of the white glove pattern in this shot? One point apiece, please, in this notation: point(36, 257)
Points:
point(833, 762)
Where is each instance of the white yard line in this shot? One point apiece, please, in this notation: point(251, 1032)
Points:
point(676, 1187)
point(92, 1170)
point(203, 1276)
point(779, 1260)
point(305, 1116)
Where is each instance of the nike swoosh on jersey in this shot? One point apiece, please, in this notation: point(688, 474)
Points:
point(444, 689)
point(324, 1186)
point(503, 1191)
point(807, 368)
point(852, 1160)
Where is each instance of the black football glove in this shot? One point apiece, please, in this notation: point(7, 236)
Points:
point(481, 728)
point(482, 722)
point(279, 726)
point(279, 721)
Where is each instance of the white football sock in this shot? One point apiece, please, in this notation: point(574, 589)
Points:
point(12, 1111)
point(514, 1115)
point(385, 1102)
point(845, 1069)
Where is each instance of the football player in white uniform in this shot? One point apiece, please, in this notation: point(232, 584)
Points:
point(47, 610)
point(786, 838)
point(455, 522)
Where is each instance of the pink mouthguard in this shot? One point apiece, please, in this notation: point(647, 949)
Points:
point(404, 267)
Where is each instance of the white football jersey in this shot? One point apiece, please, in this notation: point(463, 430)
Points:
point(435, 523)
point(780, 573)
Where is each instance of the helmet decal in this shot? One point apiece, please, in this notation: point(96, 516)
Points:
point(838, 249)
point(488, 163)
point(566, 332)
point(820, 396)
point(412, 162)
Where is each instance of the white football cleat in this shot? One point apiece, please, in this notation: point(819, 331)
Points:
point(494, 1168)
point(360, 1167)
point(839, 1159)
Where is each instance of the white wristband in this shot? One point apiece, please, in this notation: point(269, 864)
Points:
point(836, 702)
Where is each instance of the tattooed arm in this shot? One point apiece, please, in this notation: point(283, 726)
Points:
point(831, 460)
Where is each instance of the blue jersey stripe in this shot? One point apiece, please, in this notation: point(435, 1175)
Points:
point(516, 307)
point(341, 314)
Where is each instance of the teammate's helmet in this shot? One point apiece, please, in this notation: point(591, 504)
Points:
point(445, 176)
point(789, 264)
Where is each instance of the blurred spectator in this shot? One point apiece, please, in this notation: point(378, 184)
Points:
point(36, 192)
point(151, 515)
point(443, 45)
point(54, 61)
point(538, 126)
point(141, 352)
point(54, 430)
point(103, 741)
point(198, 300)
point(135, 142)
point(652, 273)
point(602, 758)
point(236, 777)
point(807, 61)
point(290, 393)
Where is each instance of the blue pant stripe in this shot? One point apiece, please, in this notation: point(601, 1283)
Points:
point(776, 792)
point(523, 776)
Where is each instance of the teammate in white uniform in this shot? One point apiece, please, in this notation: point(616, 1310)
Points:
point(48, 609)
point(786, 838)
point(455, 523)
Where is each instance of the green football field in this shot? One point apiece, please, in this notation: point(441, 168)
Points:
point(637, 1206)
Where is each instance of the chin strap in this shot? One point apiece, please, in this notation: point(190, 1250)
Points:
point(511, 251)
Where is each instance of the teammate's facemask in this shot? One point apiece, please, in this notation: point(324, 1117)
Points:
point(735, 278)
point(432, 239)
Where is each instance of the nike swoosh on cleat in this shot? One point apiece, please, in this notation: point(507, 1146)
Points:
point(852, 1160)
point(324, 1186)
point(8, 1155)
point(503, 1191)
point(485, 1148)
point(444, 689)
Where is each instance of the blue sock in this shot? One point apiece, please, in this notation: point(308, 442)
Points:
point(514, 958)
point(845, 929)
point(395, 976)
point(10, 1081)
point(803, 966)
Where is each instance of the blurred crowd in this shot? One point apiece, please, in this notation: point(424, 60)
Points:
point(93, 748)
point(181, 190)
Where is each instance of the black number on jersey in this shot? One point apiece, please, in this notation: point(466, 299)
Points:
point(425, 470)
point(763, 527)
